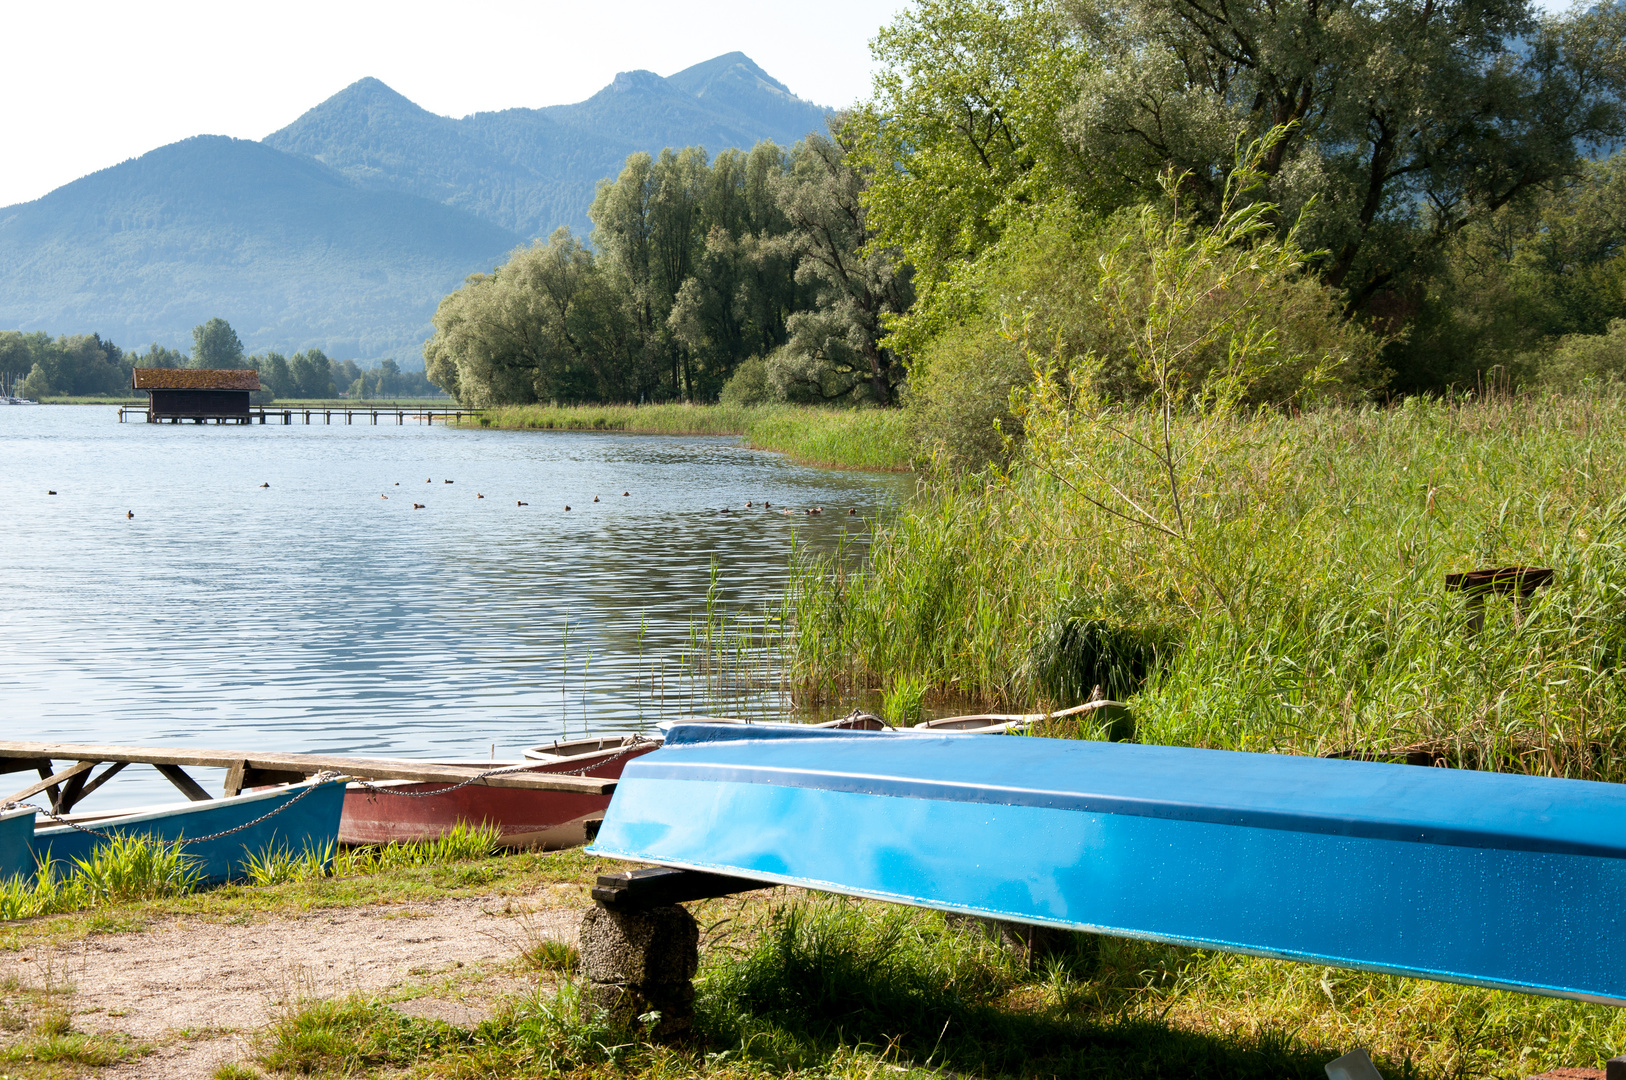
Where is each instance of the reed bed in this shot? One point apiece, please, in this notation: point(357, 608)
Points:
point(1304, 608)
point(868, 439)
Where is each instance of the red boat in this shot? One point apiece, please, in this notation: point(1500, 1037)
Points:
point(527, 819)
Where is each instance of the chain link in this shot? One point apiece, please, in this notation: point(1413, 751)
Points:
point(315, 782)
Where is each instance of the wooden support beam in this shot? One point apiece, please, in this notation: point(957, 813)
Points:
point(658, 886)
point(73, 791)
point(49, 781)
point(234, 780)
point(107, 774)
point(306, 765)
point(189, 787)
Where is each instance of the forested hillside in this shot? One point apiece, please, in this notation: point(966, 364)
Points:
point(344, 230)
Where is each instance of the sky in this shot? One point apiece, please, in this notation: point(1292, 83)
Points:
point(87, 85)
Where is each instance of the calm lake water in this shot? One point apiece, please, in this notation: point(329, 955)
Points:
point(313, 615)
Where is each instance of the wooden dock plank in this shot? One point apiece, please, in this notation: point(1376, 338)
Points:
point(306, 764)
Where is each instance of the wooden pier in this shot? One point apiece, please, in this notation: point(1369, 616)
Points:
point(325, 414)
point(70, 784)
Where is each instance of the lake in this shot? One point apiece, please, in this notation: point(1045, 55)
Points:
point(324, 613)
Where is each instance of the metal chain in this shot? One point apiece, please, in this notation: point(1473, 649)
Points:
point(315, 782)
point(637, 740)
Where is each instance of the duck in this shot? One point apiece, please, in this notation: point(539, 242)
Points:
point(522, 504)
point(129, 513)
point(446, 481)
point(748, 504)
point(766, 504)
point(567, 508)
point(398, 483)
point(595, 498)
point(383, 496)
point(50, 493)
point(624, 494)
point(477, 495)
point(265, 485)
point(852, 511)
point(417, 506)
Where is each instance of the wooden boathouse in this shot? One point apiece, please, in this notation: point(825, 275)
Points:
point(196, 394)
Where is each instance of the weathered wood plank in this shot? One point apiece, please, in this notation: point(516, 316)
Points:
point(189, 787)
point(307, 765)
point(51, 781)
point(234, 780)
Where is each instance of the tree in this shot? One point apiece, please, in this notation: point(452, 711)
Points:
point(856, 279)
point(215, 345)
point(966, 129)
point(310, 374)
point(1405, 121)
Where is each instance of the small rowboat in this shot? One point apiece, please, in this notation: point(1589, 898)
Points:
point(298, 818)
point(1490, 879)
point(1111, 719)
point(405, 811)
point(16, 830)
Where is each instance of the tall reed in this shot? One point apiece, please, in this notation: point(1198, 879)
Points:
point(1305, 610)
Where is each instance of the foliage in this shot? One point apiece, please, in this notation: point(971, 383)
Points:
point(834, 347)
point(1307, 614)
point(1510, 286)
point(700, 266)
point(81, 364)
point(1078, 317)
point(215, 345)
point(1512, 100)
point(964, 132)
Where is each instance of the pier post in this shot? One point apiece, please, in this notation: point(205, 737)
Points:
point(639, 962)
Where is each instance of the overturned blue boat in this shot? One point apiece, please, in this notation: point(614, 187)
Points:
point(1512, 882)
point(218, 837)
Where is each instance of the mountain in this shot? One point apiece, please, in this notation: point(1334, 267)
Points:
point(344, 229)
point(532, 170)
point(292, 253)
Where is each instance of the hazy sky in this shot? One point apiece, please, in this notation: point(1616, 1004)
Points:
point(87, 85)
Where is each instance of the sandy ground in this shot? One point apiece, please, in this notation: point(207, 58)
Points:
point(200, 989)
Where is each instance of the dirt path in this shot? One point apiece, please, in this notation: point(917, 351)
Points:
point(197, 987)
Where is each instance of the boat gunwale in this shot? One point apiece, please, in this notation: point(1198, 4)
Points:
point(120, 818)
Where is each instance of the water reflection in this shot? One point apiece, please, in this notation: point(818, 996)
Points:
point(324, 612)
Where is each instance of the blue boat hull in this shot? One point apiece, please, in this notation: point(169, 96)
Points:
point(16, 832)
point(311, 824)
point(1502, 881)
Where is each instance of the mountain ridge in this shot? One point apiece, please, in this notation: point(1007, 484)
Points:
point(343, 229)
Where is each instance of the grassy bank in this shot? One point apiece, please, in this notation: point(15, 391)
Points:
point(795, 984)
point(870, 439)
point(1287, 595)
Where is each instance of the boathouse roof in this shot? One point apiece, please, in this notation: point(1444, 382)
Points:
point(195, 379)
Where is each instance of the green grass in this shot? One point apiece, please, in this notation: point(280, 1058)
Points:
point(1304, 611)
point(868, 439)
point(825, 986)
point(130, 870)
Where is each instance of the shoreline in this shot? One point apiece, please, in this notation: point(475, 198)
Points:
point(863, 440)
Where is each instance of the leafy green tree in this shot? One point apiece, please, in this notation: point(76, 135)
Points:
point(966, 130)
point(1405, 122)
point(310, 374)
point(835, 344)
point(215, 345)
